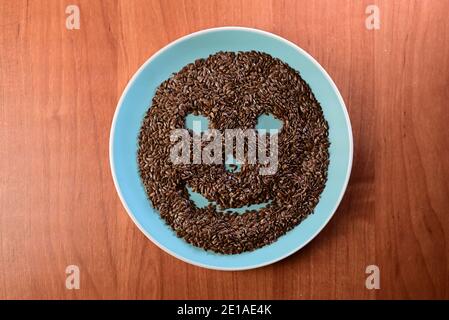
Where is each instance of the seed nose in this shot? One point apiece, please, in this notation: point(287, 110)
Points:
point(232, 165)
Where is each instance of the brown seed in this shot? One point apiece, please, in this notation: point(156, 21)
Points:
point(233, 90)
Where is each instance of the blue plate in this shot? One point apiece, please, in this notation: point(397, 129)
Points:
point(137, 97)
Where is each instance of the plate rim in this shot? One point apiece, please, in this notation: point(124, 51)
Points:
point(161, 51)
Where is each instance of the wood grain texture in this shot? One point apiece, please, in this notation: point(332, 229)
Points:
point(58, 205)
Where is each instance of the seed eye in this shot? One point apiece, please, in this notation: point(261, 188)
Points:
point(269, 122)
point(196, 123)
point(232, 165)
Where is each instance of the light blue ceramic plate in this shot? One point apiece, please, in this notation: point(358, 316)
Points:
point(137, 97)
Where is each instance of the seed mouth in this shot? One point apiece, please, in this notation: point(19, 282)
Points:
point(202, 202)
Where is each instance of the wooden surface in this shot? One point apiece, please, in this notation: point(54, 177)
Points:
point(58, 205)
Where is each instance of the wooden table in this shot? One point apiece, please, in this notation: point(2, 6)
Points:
point(58, 205)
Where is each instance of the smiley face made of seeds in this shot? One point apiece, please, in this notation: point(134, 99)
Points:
point(232, 90)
